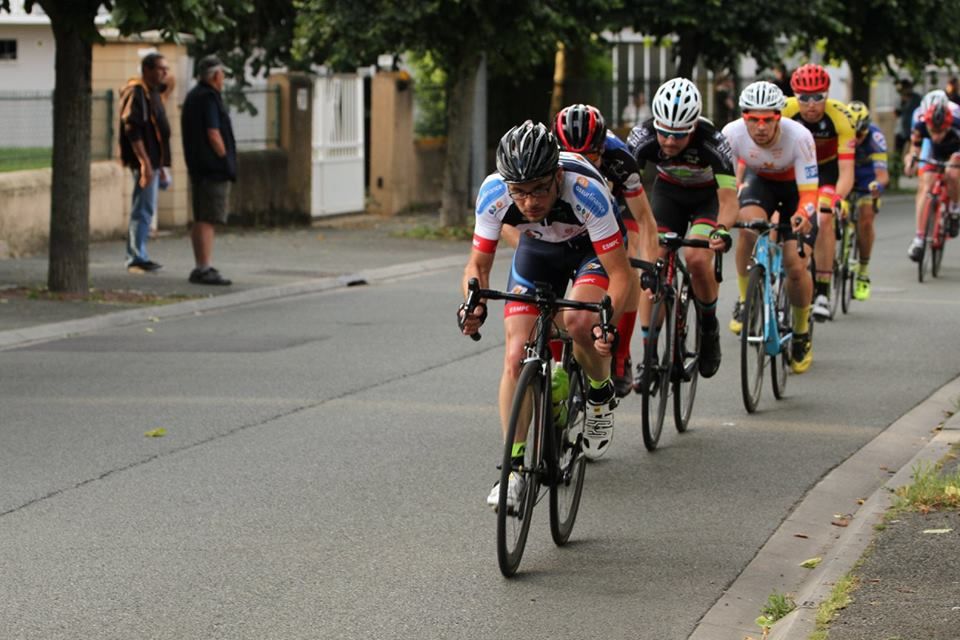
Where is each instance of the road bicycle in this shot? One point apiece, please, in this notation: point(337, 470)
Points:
point(767, 332)
point(936, 222)
point(671, 353)
point(847, 256)
point(553, 461)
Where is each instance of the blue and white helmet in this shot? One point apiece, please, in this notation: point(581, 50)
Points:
point(676, 105)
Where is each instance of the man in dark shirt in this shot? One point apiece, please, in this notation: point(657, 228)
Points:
point(909, 101)
point(145, 148)
point(210, 151)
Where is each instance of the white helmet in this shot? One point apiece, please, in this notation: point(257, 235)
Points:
point(676, 105)
point(762, 95)
point(937, 96)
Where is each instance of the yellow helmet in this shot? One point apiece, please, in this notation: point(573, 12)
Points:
point(859, 116)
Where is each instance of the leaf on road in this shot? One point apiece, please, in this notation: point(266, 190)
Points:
point(840, 522)
point(861, 501)
point(801, 535)
point(938, 531)
point(149, 329)
point(811, 563)
point(951, 490)
point(159, 432)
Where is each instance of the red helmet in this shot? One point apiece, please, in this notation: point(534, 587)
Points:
point(810, 78)
point(938, 116)
point(580, 128)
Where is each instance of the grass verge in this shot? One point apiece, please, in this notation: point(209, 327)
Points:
point(97, 296)
point(435, 232)
point(839, 599)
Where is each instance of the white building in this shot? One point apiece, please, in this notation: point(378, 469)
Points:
point(27, 49)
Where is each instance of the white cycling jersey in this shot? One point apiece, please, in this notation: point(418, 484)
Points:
point(585, 207)
point(792, 155)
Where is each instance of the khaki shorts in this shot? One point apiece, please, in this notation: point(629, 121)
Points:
point(209, 199)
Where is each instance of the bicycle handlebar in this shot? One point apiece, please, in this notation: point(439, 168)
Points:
point(672, 242)
point(543, 297)
point(765, 225)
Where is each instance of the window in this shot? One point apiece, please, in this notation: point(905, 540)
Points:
point(8, 49)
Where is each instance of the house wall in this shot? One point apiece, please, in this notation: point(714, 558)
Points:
point(33, 68)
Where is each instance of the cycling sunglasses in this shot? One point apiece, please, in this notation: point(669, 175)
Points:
point(676, 135)
point(767, 119)
point(811, 97)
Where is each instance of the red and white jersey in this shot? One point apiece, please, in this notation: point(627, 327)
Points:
point(584, 207)
point(792, 156)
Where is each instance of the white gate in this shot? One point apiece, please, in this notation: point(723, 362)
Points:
point(337, 173)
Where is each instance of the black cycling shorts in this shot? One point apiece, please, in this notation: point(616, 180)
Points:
point(772, 196)
point(677, 208)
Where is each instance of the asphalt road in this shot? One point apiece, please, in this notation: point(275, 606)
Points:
point(327, 459)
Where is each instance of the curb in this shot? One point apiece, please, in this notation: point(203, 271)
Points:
point(58, 330)
point(807, 531)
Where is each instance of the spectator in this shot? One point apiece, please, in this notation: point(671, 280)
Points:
point(211, 155)
point(636, 111)
point(725, 105)
point(782, 79)
point(909, 101)
point(145, 148)
point(952, 90)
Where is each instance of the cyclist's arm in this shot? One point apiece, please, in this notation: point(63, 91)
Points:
point(639, 206)
point(621, 280)
point(729, 205)
point(478, 266)
point(846, 149)
point(806, 174)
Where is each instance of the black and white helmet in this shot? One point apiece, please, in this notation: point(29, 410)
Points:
point(527, 152)
point(762, 96)
point(676, 105)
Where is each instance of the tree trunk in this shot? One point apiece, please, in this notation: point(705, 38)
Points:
point(686, 56)
point(70, 194)
point(859, 83)
point(559, 77)
point(455, 202)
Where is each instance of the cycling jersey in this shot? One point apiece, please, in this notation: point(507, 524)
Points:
point(834, 136)
point(790, 158)
point(620, 168)
point(705, 162)
point(941, 151)
point(871, 154)
point(584, 209)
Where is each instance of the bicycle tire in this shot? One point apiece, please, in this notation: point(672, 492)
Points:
point(849, 274)
point(780, 363)
point(837, 280)
point(513, 525)
point(931, 209)
point(571, 463)
point(687, 359)
point(938, 244)
point(751, 341)
point(658, 362)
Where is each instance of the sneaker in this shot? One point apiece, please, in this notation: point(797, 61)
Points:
point(953, 224)
point(598, 430)
point(144, 266)
point(208, 276)
point(514, 492)
point(802, 352)
point(622, 380)
point(821, 308)
point(736, 322)
point(861, 287)
point(709, 360)
point(916, 248)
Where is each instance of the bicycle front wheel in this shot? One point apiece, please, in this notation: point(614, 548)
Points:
point(571, 464)
point(657, 363)
point(847, 267)
point(931, 209)
point(528, 413)
point(839, 270)
point(939, 241)
point(780, 363)
point(687, 357)
point(752, 349)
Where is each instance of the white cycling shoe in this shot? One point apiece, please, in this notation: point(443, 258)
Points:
point(514, 492)
point(598, 430)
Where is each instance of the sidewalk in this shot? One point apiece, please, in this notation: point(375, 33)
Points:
point(262, 263)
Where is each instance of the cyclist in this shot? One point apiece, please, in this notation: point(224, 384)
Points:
point(581, 129)
point(777, 171)
point(870, 179)
point(695, 189)
point(569, 230)
point(829, 123)
point(931, 137)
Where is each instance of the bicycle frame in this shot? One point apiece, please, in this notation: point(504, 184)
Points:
point(769, 256)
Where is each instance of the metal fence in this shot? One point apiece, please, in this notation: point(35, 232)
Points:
point(26, 134)
point(256, 118)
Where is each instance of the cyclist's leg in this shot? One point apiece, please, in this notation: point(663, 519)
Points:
point(622, 365)
point(865, 238)
point(925, 177)
point(706, 289)
point(824, 248)
point(953, 188)
point(757, 202)
point(670, 217)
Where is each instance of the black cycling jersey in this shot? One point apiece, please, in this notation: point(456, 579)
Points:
point(707, 161)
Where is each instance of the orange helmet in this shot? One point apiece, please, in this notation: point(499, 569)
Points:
point(810, 78)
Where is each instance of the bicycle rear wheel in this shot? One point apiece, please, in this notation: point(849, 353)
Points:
point(530, 402)
point(780, 363)
point(939, 241)
point(571, 463)
point(687, 357)
point(931, 210)
point(839, 270)
point(848, 268)
point(658, 361)
point(752, 353)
